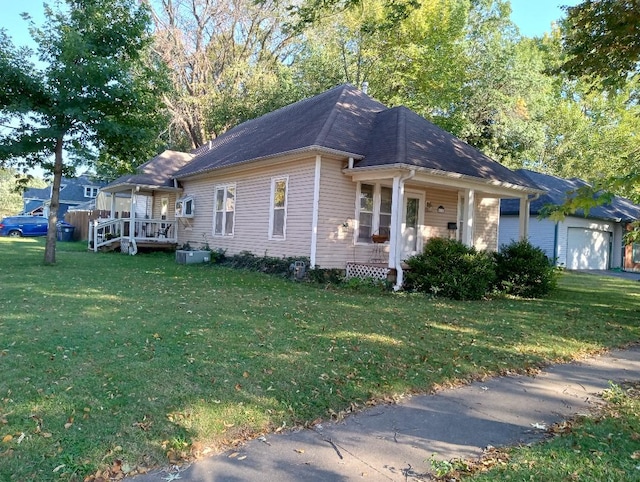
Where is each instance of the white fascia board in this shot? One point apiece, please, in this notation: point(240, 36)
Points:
point(442, 178)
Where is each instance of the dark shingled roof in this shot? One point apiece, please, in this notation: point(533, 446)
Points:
point(346, 120)
point(402, 136)
point(73, 189)
point(339, 119)
point(158, 171)
point(556, 192)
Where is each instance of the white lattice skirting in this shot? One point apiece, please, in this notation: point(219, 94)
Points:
point(367, 271)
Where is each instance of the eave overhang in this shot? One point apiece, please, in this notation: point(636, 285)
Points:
point(273, 159)
point(438, 177)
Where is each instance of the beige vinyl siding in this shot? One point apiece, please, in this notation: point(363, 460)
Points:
point(252, 205)
point(435, 223)
point(485, 235)
point(156, 210)
point(336, 219)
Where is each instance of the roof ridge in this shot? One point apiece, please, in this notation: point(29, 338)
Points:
point(331, 118)
point(402, 133)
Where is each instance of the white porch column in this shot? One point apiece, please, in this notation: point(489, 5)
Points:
point(113, 205)
point(132, 216)
point(468, 217)
point(314, 220)
point(396, 219)
point(395, 236)
point(523, 217)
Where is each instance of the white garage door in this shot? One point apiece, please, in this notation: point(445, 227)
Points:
point(587, 249)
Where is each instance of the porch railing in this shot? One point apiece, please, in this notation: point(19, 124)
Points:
point(108, 231)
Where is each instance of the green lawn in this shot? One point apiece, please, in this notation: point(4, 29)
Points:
point(108, 357)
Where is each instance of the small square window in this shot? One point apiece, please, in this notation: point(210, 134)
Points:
point(185, 207)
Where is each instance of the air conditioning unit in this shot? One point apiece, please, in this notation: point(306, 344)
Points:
point(192, 257)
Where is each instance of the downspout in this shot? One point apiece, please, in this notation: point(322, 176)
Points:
point(395, 253)
point(315, 214)
point(555, 243)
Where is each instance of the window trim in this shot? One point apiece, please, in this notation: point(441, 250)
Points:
point(375, 221)
point(272, 208)
point(224, 188)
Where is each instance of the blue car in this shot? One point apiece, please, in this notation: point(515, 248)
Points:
point(16, 226)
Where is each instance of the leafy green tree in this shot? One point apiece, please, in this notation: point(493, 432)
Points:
point(416, 60)
point(97, 92)
point(11, 187)
point(601, 40)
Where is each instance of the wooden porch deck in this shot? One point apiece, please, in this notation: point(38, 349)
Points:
point(111, 234)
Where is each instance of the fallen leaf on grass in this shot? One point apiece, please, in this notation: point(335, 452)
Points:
point(636, 455)
point(7, 438)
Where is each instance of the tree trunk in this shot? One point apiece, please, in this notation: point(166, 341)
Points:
point(50, 248)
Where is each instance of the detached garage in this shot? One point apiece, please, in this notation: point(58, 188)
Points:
point(577, 242)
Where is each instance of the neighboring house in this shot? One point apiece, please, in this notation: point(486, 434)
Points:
point(73, 192)
point(594, 241)
point(321, 177)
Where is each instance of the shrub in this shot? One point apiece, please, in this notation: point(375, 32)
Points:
point(264, 264)
point(524, 270)
point(327, 276)
point(367, 285)
point(448, 268)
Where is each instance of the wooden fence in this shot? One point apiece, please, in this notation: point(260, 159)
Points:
point(80, 220)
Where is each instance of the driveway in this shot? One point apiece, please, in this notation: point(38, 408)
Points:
point(611, 272)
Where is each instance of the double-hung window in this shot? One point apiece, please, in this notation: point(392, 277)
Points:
point(90, 191)
point(224, 210)
point(278, 213)
point(374, 211)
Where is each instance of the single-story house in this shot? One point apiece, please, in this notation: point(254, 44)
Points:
point(338, 178)
point(592, 241)
point(74, 191)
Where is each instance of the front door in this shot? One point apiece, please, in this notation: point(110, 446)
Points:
point(412, 221)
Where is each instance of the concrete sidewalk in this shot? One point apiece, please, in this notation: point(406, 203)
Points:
point(395, 442)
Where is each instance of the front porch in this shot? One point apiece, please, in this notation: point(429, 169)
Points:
point(131, 234)
point(398, 209)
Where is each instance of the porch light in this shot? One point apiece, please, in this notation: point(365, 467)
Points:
point(441, 209)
